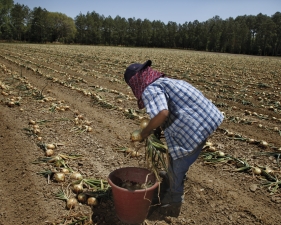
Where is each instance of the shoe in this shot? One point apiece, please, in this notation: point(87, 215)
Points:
point(170, 209)
point(166, 198)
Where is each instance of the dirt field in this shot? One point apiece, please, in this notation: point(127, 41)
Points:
point(67, 89)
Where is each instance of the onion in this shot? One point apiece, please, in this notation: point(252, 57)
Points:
point(36, 131)
point(256, 170)
point(136, 135)
point(263, 144)
point(268, 170)
point(76, 176)
point(220, 153)
point(32, 122)
point(92, 201)
point(71, 203)
point(55, 159)
point(208, 143)
point(89, 129)
point(211, 149)
point(50, 146)
point(144, 122)
point(251, 140)
point(135, 153)
point(77, 188)
point(11, 104)
point(65, 170)
point(128, 150)
point(59, 177)
point(230, 134)
point(82, 197)
point(49, 152)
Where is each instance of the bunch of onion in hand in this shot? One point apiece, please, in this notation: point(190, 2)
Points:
point(156, 152)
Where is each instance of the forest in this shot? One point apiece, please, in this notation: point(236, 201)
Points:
point(246, 34)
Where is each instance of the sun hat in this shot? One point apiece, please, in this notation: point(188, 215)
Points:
point(134, 68)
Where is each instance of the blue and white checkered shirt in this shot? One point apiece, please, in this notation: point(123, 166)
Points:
point(192, 117)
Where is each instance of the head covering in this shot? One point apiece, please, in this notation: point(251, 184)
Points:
point(134, 68)
point(141, 79)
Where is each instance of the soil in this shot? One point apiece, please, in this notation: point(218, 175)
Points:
point(214, 192)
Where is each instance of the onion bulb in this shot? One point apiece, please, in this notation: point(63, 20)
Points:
point(263, 144)
point(136, 135)
point(59, 177)
point(144, 122)
point(208, 143)
point(77, 188)
point(268, 170)
point(50, 146)
point(92, 201)
point(135, 153)
point(76, 176)
point(71, 203)
point(211, 149)
point(82, 197)
point(256, 170)
point(32, 122)
point(49, 152)
point(220, 153)
point(251, 140)
point(64, 170)
point(129, 150)
point(55, 159)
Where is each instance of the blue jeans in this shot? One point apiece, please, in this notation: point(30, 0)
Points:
point(177, 172)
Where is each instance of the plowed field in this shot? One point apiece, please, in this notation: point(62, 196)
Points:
point(75, 98)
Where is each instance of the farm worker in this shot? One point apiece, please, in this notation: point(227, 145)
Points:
point(186, 117)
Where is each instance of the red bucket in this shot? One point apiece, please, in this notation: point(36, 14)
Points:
point(132, 206)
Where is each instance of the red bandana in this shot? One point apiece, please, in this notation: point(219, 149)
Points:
point(141, 80)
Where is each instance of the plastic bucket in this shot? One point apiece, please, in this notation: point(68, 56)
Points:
point(132, 206)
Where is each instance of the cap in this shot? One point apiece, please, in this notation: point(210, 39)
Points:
point(134, 68)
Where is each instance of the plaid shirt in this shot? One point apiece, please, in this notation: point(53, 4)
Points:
point(192, 117)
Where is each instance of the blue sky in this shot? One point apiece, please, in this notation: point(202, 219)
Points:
point(179, 11)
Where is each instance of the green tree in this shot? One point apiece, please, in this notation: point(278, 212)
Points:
point(62, 27)
point(276, 39)
point(94, 28)
point(108, 30)
point(81, 26)
point(40, 28)
point(215, 32)
point(158, 38)
point(120, 30)
point(19, 20)
point(172, 33)
point(6, 27)
point(146, 32)
point(131, 32)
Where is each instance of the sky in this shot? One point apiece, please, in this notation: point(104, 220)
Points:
point(179, 11)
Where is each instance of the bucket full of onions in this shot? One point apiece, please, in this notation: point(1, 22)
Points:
point(132, 190)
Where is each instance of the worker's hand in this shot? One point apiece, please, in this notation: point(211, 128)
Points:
point(157, 132)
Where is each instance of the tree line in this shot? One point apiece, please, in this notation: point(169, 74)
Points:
point(248, 34)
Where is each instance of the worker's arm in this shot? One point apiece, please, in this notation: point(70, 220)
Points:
point(154, 123)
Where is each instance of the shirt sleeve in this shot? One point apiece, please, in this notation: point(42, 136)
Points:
point(155, 100)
